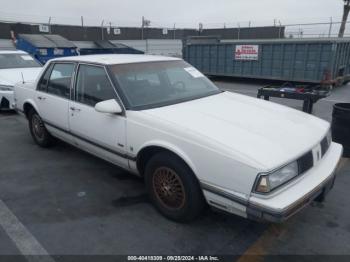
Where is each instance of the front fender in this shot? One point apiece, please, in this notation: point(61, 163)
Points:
point(31, 102)
point(172, 148)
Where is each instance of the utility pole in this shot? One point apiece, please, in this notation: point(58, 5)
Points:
point(345, 18)
point(174, 31)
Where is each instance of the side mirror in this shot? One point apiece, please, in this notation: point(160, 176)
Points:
point(108, 107)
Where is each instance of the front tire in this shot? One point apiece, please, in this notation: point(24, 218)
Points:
point(38, 130)
point(173, 188)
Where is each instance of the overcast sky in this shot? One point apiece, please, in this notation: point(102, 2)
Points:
point(185, 13)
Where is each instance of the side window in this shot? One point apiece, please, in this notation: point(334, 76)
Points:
point(93, 85)
point(60, 80)
point(42, 86)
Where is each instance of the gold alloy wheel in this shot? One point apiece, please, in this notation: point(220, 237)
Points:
point(169, 188)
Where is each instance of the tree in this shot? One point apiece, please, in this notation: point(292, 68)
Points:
point(345, 17)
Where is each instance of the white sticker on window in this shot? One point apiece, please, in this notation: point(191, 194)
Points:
point(27, 57)
point(193, 72)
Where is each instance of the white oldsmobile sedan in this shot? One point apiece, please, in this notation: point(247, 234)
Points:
point(15, 66)
point(160, 118)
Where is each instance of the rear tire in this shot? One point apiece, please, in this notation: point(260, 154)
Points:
point(38, 130)
point(173, 188)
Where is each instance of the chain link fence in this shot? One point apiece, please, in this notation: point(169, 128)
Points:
point(327, 28)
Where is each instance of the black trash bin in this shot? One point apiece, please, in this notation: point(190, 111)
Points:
point(341, 126)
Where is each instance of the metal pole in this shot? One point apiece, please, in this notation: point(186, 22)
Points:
point(50, 25)
point(102, 29)
point(174, 31)
point(239, 31)
point(330, 27)
point(82, 25)
point(143, 24)
point(279, 30)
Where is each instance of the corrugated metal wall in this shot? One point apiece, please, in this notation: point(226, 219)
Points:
point(6, 44)
point(163, 47)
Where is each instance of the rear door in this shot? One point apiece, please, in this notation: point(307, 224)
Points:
point(53, 95)
point(100, 133)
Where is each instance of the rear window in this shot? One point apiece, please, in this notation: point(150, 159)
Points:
point(8, 61)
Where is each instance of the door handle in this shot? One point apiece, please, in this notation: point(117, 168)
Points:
point(41, 98)
point(75, 109)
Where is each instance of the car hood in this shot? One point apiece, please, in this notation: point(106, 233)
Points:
point(14, 75)
point(266, 133)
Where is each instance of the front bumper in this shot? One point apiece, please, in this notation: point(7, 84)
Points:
point(313, 185)
point(318, 195)
point(7, 100)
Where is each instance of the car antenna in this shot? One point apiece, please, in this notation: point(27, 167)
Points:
point(22, 78)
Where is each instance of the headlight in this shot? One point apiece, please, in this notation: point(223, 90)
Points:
point(268, 182)
point(6, 88)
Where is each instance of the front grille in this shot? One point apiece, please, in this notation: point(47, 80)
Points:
point(305, 162)
point(324, 145)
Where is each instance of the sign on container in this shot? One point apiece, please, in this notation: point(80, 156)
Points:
point(44, 28)
point(57, 51)
point(247, 52)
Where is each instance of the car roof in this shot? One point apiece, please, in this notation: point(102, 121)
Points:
point(12, 52)
point(112, 59)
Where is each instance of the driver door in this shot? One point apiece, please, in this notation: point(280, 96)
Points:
point(101, 134)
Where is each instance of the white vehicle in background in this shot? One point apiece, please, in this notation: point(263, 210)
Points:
point(15, 66)
point(160, 118)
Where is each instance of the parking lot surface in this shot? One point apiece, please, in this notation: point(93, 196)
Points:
point(67, 202)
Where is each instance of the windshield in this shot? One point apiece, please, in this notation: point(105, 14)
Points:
point(153, 84)
point(8, 61)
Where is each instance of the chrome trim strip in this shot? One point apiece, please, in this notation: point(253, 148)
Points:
point(126, 156)
point(218, 191)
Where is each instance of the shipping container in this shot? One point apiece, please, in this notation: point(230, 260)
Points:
point(104, 47)
point(45, 47)
point(298, 60)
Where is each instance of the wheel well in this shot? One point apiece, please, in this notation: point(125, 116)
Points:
point(27, 107)
point(147, 153)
